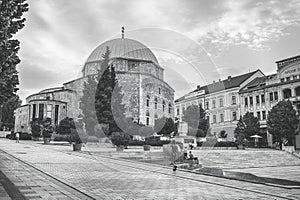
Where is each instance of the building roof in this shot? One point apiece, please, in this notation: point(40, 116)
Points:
point(230, 82)
point(123, 48)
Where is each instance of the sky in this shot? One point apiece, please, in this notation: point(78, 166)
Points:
point(195, 41)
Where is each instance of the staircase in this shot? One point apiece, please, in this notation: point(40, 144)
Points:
point(246, 158)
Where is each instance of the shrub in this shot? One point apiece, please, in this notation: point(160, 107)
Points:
point(25, 136)
point(65, 126)
point(47, 128)
point(61, 138)
point(155, 141)
point(136, 143)
point(76, 137)
point(36, 128)
point(219, 144)
point(120, 138)
point(223, 134)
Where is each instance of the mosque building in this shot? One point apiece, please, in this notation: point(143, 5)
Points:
point(146, 95)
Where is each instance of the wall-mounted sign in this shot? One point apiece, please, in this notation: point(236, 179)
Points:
point(290, 71)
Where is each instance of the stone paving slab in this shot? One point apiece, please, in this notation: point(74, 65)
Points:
point(107, 178)
point(32, 183)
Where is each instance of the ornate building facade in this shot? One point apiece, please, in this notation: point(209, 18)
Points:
point(146, 95)
point(226, 100)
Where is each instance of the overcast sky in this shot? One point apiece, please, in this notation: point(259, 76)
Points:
point(196, 41)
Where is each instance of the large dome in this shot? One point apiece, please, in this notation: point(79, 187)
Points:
point(123, 48)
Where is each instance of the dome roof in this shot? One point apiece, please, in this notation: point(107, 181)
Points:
point(123, 48)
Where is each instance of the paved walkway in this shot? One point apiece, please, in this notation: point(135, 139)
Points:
point(104, 178)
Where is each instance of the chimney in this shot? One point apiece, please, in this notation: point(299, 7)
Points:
point(198, 87)
point(214, 82)
point(220, 80)
point(229, 78)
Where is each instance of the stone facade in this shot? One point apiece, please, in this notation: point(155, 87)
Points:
point(146, 95)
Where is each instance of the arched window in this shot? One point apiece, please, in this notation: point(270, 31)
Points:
point(155, 103)
point(287, 93)
point(155, 116)
point(297, 91)
point(170, 108)
point(147, 118)
point(148, 100)
point(164, 105)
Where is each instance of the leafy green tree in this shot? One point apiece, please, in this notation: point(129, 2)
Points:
point(252, 125)
point(240, 131)
point(120, 138)
point(7, 113)
point(11, 21)
point(195, 116)
point(66, 126)
point(164, 126)
point(248, 125)
point(283, 122)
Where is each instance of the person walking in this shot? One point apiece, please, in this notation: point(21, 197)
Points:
point(185, 153)
point(17, 137)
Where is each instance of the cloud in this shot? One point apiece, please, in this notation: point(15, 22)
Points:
point(60, 34)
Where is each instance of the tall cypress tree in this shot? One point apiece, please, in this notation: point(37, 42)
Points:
point(109, 108)
point(11, 22)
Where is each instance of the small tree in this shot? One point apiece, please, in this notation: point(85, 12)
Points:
point(47, 128)
point(223, 134)
point(240, 131)
point(195, 116)
point(252, 125)
point(36, 127)
point(247, 126)
point(283, 122)
point(164, 126)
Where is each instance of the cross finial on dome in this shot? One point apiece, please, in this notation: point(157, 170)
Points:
point(123, 32)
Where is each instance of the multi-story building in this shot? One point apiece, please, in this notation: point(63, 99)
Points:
point(226, 100)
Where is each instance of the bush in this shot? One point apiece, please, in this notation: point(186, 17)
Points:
point(219, 144)
point(65, 126)
point(155, 141)
point(61, 138)
point(36, 128)
point(25, 136)
point(47, 128)
point(136, 143)
point(120, 138)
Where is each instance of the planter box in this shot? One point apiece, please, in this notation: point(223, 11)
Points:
point(47, 140)
point(77, 147)
point(147, 147)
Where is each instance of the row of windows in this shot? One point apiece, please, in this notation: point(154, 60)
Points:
point(156, 103)
point(234, 117)
point(260, 99)
point(294, 77)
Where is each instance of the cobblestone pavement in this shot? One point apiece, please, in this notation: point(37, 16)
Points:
point(107, 178)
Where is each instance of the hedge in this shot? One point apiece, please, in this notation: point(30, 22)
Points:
point(219, 144)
